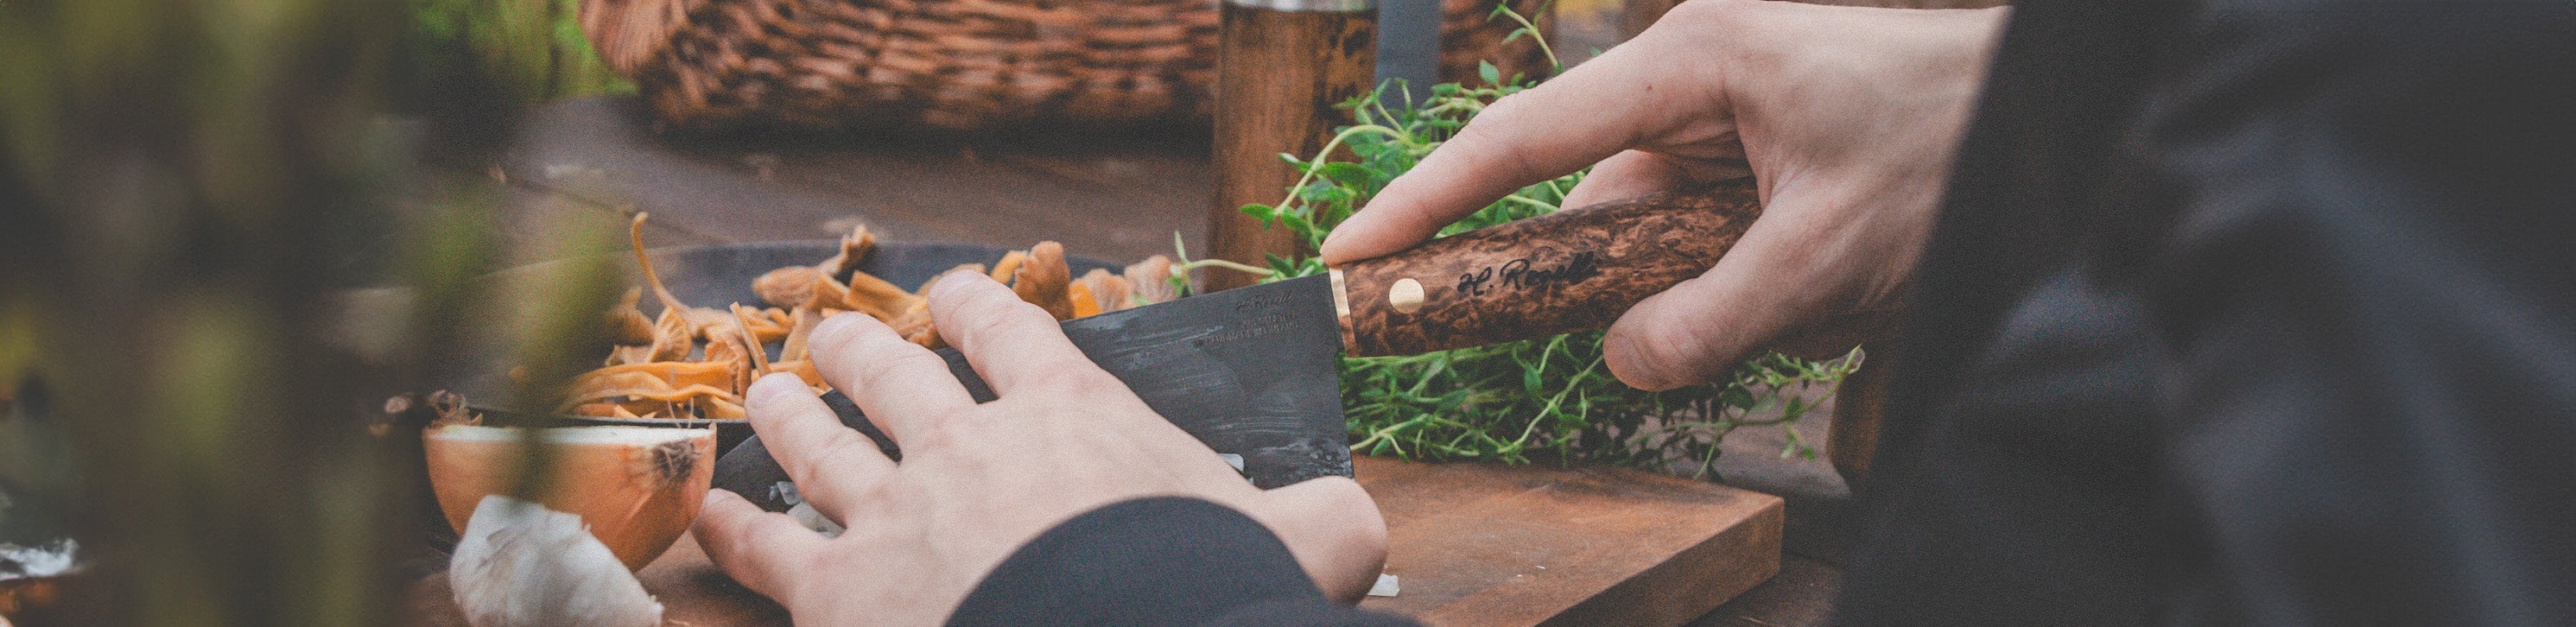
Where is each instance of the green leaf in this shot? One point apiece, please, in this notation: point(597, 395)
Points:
point(1487, 71)
point(1297, 224)
point(1348, 174)
point(1736, 397)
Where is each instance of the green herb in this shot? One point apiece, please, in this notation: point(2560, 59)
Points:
point(1536, 399)
point(534, 51)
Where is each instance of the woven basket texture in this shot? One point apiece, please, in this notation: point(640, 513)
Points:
point(709, 65)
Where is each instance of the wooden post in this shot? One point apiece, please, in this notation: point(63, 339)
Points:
point(1639, 14)
point(1281, 66)
point(1852, 438)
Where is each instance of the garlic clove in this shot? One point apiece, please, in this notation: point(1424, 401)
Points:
point(520, 564)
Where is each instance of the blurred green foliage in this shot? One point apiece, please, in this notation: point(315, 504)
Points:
point(188, 192)
point(533, 50)
point(182, 182)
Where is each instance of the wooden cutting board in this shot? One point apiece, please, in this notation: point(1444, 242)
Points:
point(1485, 544)
point(1470, 544)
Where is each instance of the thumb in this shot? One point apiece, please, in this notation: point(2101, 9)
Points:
point(1334, 529)
point(1698, 330)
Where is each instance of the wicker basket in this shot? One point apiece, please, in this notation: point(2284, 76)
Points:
point(959, 64)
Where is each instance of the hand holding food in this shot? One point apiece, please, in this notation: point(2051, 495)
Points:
point(979, 480)
point(1846, 116)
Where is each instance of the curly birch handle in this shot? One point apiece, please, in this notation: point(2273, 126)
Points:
point(1573, 270)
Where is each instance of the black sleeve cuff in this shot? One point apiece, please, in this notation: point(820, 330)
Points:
point(1154, 561)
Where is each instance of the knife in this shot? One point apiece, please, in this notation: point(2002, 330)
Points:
point(1252, 373)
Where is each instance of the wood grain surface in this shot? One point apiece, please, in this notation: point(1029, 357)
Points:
point(1484, 544)
point(582, 163)
point(692, 591)
point(1573, 270)
point(1279, 75)
point(1470, 544)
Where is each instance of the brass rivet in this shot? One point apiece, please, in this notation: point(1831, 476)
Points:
point(1405, 295)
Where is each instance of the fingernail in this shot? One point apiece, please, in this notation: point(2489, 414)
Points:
point(837, 325)
point(1331, 250)
point(775, 387)
point(1620, 353)
point(951, 282)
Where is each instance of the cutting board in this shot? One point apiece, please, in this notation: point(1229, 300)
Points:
point(1470, 544)
point(1486, 544)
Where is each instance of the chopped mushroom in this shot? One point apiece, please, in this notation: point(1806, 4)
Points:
point(1009, 266)
point(649, 372)
point(854, 249)
point(1151, 281)
point(626, 324)
point(877, 297)
point(729, 350)
point(789, 286)
point(1041, 280)
point(1109, 292)
point(672, 333)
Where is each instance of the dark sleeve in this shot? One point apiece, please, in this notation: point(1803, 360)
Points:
point(1155, 561)
point(2366, 298)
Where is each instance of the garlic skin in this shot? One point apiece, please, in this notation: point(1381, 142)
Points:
point(522, 565)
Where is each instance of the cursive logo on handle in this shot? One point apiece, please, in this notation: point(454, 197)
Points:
point(1522, 275)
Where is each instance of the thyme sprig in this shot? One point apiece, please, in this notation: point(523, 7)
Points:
point(1522, 401)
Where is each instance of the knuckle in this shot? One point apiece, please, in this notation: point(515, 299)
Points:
point(1001, 315)
point(922, 433)
point(855, 343)
point(1498, 129)
point(817, 471)
point(1080, 379)
point(980, 296)
point(1492, 128)
point(736, 539)
point(876, 493)
point(894, 366)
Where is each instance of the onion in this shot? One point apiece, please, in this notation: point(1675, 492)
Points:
point(522, 565)
point(637, 488)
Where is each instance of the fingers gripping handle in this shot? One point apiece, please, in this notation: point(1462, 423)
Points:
point(1573, 270)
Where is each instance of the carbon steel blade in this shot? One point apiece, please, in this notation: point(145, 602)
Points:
point(1249, 371)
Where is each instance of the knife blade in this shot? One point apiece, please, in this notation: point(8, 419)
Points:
point(1252, 372)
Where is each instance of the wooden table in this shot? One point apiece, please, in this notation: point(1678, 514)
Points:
point(1118, 198)
point(1471, 544)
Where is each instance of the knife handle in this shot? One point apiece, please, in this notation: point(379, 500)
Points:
point(1573, 270)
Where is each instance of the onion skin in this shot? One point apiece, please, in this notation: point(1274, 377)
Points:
point(637, 498)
